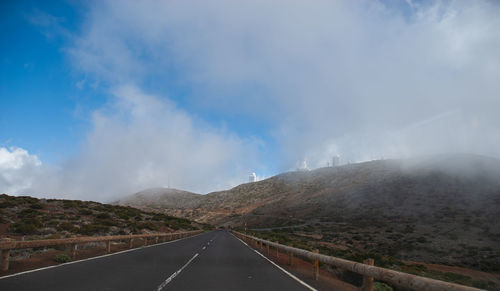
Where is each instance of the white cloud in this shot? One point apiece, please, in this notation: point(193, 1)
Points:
point(333, 77)
point(17, 169)
point(140, 141)
point(360, 79)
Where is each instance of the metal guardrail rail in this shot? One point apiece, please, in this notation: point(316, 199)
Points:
point(6, 245)
point(368, 271)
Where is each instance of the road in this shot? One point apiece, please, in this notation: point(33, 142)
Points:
point(210, 261)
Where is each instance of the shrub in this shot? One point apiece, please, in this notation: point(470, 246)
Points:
point(26, 199)
point(421, 240)
point(85, 212)
point(103, 216)
point(28, 213)
point(62, 258)
point(408, 229)
point(7, 204)
point(24, 228)
point(91, 229)
point(378, 286)
point(147, 225)
point(123, 215)
point(107, 222)
point(68, 226)
point(69, 204)
point(36, 206)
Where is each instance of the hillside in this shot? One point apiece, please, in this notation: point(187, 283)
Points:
point(34, 218)
point(440, 209)
point(415, 188)
point(162, 199)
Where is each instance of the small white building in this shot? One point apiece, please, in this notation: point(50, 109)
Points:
point(335, 161)
point(303, 166)
point(252, 178)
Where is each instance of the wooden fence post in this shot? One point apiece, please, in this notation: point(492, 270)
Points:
point(316, 267)
point(108, 246)
point(368, 281)
point(277, 250)
point(5, 255)
point(5, 259)
point(145, 241)
point(130, 243)
point(73, 251)
point(290, 258)
point(268, 251)
point(156, 239)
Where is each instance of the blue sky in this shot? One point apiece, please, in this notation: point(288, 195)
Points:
point(45, 110)
point(39, 96)
point(104, 98)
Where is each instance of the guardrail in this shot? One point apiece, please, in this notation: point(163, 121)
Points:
point(366, 269)
point(6, 245)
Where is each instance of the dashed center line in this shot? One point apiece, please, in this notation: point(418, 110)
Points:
point(169, 279)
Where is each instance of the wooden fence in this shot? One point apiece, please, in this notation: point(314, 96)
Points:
point(366, 269)
point(6, 245)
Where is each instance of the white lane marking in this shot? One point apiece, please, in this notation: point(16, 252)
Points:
point(169, 279)
point(284, 271)
point(93, 258)
point(204, 247)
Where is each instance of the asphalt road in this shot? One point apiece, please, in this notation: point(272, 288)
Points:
point(210, 261)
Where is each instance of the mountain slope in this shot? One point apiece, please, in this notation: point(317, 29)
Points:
point(162, 199)
point(442, 209)
point(421, 188)
point(41, 218)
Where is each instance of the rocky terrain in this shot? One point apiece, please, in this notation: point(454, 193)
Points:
point(438, 209)
point(32, 218)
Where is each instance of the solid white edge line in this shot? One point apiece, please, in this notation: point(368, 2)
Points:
point(94, 258)
point(169, 279)
point(276, 265)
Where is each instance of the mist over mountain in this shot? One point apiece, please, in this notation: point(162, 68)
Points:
point(412, 187)
point(162, 198)
point(440, 208)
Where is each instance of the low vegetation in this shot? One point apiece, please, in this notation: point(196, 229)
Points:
point(346, 245)
point(34, 218)
point(62, 258)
